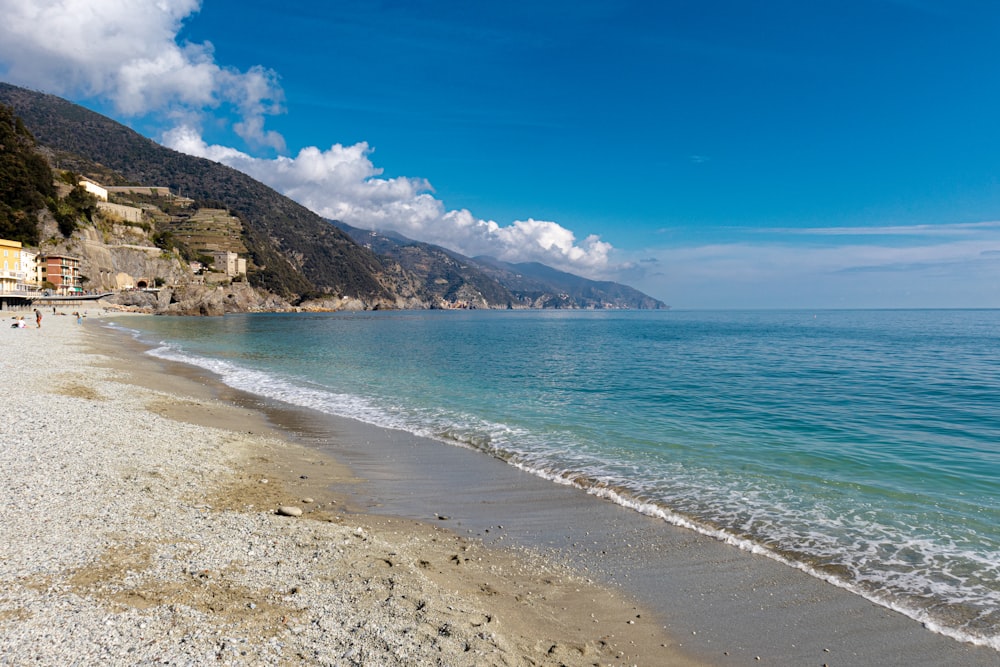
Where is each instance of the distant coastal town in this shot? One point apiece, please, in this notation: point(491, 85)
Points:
point(30, 274)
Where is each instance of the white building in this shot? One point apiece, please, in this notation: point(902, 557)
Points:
point(32, 271)
point(95, 189)
point(229, 263)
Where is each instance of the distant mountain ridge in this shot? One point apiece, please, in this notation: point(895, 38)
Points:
point(295, 254)
point(538, 281)
point(452, 276)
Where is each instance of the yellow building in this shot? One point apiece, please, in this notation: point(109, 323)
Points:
point(11, 272)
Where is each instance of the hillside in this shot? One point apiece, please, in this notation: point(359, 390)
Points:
point(207, 230)
point(490, 283)
point(447, 277)
point(25, 181)
point(545, 287)
point(297, 252)
point(292, 252)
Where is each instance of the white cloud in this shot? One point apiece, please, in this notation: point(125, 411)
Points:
point(953, 230)
point(342, 183)
point(948, 268)
point(127, 51)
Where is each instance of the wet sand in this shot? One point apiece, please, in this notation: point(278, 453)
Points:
point(723, 605)
point(438, 593)
point(698, 597)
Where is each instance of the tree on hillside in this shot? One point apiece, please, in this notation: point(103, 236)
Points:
point(25, 180)
point(77, 204)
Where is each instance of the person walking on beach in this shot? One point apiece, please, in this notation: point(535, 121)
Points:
point(38, 318)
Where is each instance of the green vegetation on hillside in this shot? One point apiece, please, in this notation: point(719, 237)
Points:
point(76, 205)
point(26, 186)
point(296, 253)
point(25, 180)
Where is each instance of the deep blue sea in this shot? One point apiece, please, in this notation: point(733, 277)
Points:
point(860, 446)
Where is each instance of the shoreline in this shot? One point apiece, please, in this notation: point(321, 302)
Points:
point(726, 606)
point(690, 597)
point(736, 605)
point(141, 529)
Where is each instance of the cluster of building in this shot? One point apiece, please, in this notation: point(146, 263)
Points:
point(226, 262)
point(26, 273)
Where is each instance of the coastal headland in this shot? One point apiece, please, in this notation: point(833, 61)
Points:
point(156, 516)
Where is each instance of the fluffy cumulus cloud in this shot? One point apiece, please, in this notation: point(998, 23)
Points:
point(127, 51)
point(343, 183)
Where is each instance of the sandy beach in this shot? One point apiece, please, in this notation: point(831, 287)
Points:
point(142, 526)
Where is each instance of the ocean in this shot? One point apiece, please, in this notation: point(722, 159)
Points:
point(860, 446)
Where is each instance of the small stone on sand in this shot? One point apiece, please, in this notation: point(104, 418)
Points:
point(286, 510)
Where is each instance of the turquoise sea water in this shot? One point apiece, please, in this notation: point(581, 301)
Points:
point(860, 446)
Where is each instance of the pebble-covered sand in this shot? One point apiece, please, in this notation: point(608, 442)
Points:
point(136, 533)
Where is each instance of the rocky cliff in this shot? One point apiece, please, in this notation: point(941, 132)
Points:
point(122, 259)
point(201, 300)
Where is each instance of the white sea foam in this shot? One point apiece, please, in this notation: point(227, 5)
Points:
point(269, 386)
point(751, 546)
point(810, 523)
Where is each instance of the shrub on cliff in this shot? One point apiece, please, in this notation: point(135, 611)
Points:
point(78, 204)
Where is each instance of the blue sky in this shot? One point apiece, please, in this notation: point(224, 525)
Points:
point(715, 154)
